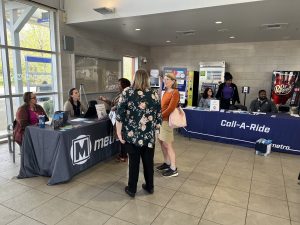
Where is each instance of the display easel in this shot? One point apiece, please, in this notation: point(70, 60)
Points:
point(246, 91)
point(83, 94)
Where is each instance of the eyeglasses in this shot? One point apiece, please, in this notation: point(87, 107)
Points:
point(33, 97)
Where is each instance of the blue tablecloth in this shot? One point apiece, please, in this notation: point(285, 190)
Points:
point(244, 129)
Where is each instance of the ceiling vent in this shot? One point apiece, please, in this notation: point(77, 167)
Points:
point(105, 10)
point(274, 26)
point(186, 32)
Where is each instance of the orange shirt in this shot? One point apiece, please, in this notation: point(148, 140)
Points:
point(169, 102)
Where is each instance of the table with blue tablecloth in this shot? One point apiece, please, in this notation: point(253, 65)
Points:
point(244, 129)
point(61, 154)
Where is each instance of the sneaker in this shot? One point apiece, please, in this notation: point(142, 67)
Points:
point(131, 194)
point(163, 167)
point(170, 173)
point(150, 191)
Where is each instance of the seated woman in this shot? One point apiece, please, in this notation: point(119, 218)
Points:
point(73, 105)
point(27, 114)
point(206, 97)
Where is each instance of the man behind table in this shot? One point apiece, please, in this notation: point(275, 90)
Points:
point(262, 104)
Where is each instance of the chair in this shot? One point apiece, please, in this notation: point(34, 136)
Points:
point(11, 144)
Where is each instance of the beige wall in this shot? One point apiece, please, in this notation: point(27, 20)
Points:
point(251, 64)
point(96, 45)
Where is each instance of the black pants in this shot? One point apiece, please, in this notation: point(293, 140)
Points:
point(225, 103)
point(123, 152)
point(147, 155)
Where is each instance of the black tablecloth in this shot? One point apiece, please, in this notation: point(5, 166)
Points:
point(62, 154)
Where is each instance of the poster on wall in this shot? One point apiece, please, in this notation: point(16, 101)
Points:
point(190, 82)
point(180, 74)
point(211, 75)
point(285, 89)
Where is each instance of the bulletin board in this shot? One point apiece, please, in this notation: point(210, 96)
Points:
point(96, 74)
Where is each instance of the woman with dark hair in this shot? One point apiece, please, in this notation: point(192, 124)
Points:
point(123, 83)
point(73, 105)
point(138, 118)
point(227, 93)
point(206, 97)
point(27, 114)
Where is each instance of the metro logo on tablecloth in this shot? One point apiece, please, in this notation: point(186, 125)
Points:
point(243, 125)
point(81, 149)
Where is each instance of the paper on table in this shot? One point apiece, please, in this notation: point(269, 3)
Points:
point(89, 121)
point(112, 117)
point(78, 119)
point(101, 111)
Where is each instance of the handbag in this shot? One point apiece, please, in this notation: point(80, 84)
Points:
point(177, 118)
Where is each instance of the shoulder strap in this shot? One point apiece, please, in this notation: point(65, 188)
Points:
point(178, 104)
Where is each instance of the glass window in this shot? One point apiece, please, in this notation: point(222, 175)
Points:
point(27, 26)
point(3, 124)
point(128, 68)
point(1, 75)
point(48, 102)
point(31, 71)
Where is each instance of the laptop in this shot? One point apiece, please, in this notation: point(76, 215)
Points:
point(60, 119)
point(91, 112)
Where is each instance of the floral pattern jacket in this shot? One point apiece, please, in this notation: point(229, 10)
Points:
point(140, 113)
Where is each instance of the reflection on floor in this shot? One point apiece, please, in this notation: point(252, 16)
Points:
point(217, 184)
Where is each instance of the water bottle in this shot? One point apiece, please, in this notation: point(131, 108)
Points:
point(41, 121)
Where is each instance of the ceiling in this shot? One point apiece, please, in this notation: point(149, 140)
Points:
point(243, 21)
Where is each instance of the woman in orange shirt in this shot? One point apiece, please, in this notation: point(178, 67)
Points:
point(169, 102)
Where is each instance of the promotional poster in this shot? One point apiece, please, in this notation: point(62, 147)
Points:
point(286, 88)
point(180, 74)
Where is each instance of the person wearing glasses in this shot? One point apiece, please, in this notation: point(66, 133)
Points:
point(206, 97)
point(27, 114)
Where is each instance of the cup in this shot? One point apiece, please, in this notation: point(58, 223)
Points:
point(41, 121)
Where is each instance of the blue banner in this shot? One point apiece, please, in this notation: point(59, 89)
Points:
point(244, 129)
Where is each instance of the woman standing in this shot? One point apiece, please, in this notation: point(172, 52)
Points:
point(123, 83)
point(27, 114)
point(206, 97)
point(73, 105)
point(227, 92)
point(138, 117)
point(170, 101)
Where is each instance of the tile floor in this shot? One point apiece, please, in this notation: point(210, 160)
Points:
point(217, 184)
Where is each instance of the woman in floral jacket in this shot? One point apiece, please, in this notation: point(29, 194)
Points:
point(138, 118)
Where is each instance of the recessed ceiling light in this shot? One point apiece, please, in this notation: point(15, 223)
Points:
point(137, 29)
point(218, 22)
point(168, 41)
point(232, 37)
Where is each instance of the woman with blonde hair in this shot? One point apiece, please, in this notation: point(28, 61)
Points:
point(138, 117)
point(170, 101)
